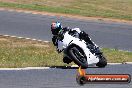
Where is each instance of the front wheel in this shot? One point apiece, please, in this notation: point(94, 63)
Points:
point(78, 56)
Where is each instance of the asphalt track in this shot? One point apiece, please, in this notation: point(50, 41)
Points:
point(104, 34)
point(59, 78)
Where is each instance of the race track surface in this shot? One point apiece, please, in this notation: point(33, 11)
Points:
point(104, 34)
point(59, 78)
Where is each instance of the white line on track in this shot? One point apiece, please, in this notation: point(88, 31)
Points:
point(109, 64)
point(25, 38)
point(28, 38)
point(13, 36)
point(31, 68)
point(20, 37)
point(27, 68)
point(114, 63)
point(39, 40)
point(42, 68)
point(128, 62)
point(34, 39)
point(46, 41)
point(6, 35)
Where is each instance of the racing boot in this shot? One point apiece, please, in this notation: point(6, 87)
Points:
point(54, 40)
point(67, 60)
point(84, 36)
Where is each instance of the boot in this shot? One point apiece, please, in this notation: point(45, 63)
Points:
point(84, 36)
point(67, 60)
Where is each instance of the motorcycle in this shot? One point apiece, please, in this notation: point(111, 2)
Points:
point(76, 49)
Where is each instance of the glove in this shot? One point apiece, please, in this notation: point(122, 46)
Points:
point(60, 36)
point(59, 51)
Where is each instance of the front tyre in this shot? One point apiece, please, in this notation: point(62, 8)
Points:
point(78, 56)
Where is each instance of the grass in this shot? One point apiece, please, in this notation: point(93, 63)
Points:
point(22, 53)
point(119, 9)
point(117, 56)
point(26, 53)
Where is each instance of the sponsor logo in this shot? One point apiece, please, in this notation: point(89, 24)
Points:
point(83, 78)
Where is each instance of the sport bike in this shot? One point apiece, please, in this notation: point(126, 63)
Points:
point(80, 52)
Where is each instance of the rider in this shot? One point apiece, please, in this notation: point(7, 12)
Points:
point(57, 31)
point(56, 28)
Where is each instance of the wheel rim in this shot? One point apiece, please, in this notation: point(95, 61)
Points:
point(79, 56)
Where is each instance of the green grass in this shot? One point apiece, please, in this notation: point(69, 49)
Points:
point(117, 56)
point(26, 53)
point(22, 53)
point(119, 9)
point(40, 8)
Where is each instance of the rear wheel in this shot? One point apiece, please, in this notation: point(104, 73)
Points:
point(102, 62)
point(78, 56)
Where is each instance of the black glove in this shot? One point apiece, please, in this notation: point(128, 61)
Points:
point(60, 36)
point(59, 51)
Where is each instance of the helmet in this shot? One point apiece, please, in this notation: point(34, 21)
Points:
point(55, 27)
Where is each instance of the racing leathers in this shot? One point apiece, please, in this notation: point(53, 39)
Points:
point(76, 32)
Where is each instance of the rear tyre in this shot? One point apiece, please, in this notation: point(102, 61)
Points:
point(102, 62)
point(78, 56)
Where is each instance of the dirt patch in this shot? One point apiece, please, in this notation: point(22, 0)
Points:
point(3, 39)
point(15, 42)
point(86, 9)
point(26, 45)
point(40, 45)
point(12, 1)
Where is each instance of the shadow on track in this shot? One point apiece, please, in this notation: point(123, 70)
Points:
point(70, 67)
